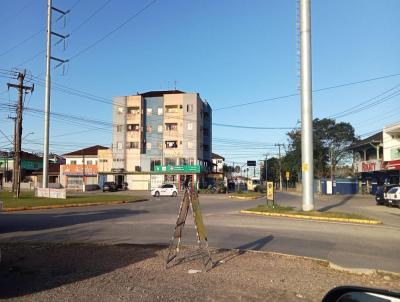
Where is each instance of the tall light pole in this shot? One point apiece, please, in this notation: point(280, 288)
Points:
point(47, 100)
point(49, 57)
point(307, 165)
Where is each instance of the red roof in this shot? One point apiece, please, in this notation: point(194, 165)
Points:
point(86, 151)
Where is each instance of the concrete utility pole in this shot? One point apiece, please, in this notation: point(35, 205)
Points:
point(280, 166)
point(266, 168)
point(50, 9)
point(18, 132)
point(306, 106)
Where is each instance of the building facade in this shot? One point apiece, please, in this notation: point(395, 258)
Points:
point(160, 136)
point(80, 169)
point(376, 159)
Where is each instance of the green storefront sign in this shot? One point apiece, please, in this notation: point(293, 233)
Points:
point(178, 169)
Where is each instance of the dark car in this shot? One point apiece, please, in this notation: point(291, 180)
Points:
point(380, 194)
point(110, 186)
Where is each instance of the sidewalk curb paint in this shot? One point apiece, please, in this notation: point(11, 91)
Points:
point(77, 205)
point(245, 197)
point(352, 220)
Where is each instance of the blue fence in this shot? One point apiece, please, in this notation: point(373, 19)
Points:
point(341, 186)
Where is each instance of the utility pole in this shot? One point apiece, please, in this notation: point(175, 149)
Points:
point(18, 131)
point(307, 164)
point(50, 9)
point(266, 168)
point(280, 165)
point(15, 150)
point(331, 156)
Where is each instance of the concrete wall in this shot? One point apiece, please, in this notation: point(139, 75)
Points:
point(391, 143)
point(119, 133)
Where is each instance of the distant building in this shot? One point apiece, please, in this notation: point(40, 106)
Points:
point(376, 159)
point(29, 163)
point(158, 137)
point(218, 163)
point(80, 168)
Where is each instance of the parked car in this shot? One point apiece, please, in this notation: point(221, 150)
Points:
point(393, 196)
point(165, 190)
point(109, 186)
point(380, 194)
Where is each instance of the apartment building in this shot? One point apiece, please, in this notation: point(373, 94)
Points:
point(160, 136)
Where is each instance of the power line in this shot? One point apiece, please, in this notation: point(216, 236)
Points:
point(112, 31)
point(315, 90)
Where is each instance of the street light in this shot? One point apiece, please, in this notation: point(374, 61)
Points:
point(28, 135)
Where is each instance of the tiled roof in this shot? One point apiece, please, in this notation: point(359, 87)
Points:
point(86, 151)
point(376, 138)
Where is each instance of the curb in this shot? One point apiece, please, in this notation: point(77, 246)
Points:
point(244, 197)
point(76, 205)
point(331, 265)
point(352, 220)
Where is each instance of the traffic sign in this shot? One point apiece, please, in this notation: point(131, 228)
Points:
point(251, 163)
point(287, 175)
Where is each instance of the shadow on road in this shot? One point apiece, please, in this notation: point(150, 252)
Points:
point(19, 222)
point(345, 199)
point(255, 245)
point(31, 268)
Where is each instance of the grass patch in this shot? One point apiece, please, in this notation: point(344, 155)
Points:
point(28, 200)
point(291, 210)
point(246, 194)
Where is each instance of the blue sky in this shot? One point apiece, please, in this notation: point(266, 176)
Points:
point(231, 52)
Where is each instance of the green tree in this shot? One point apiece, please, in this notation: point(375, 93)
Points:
point(330, 144)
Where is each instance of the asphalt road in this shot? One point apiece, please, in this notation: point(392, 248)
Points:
point(349, 245)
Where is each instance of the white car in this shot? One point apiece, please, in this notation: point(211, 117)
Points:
point(165, 190)
point(393, 196)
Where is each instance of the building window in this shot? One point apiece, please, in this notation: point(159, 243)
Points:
point(138, 168)
point(133, 145)
point(171, 144)
point(119, 145)
point(171, 126)
point(170, 161)
point(159, 145)
point(119, 128)
point(73, 162)
point(160, 111)
point(149, 128)
point(206, 132)
point(206, 148)
point(190, 126)
point(171, 109)
point(189, 108)
point(89, 162)
point(132, 127)
point(149, 111)
point(159, 128)
point(191, 161)
point(190, 144)
point(153, 163)
point(148, 146)
point(133, 110)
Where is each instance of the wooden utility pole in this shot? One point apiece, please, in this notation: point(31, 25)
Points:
point(18, 131)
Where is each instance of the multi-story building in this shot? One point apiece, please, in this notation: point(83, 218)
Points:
point(160, 136)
